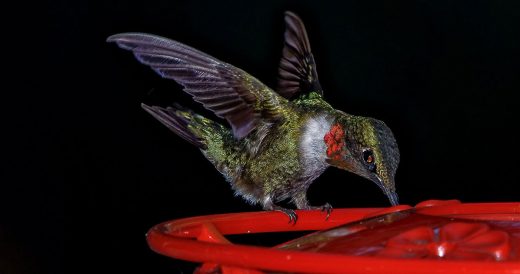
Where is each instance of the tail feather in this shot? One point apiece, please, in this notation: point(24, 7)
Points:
point(176, 122)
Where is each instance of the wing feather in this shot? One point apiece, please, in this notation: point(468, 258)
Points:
point(228, 91)
point(297, 70)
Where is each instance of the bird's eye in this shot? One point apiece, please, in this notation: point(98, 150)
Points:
point(368, 157)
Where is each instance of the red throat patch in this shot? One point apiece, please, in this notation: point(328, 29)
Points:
point(335, 141)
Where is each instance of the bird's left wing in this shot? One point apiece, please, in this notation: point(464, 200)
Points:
point(222, 88)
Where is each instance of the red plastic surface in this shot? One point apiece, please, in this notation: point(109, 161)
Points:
point(433, 237)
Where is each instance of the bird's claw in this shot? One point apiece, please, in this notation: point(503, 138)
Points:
point(290, 213)
point(269, 205)
point(326, 208)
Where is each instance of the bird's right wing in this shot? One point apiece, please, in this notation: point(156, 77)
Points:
point(222, 88)
point(297, 70)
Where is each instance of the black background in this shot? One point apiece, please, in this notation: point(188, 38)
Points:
point(92, 172)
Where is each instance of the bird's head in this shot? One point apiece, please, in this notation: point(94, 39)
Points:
point(366, 147)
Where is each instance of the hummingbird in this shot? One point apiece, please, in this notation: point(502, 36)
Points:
point(278, 141)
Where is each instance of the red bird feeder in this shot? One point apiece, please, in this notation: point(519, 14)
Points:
point(432, 237)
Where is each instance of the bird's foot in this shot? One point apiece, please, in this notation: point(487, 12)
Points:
point(324, 208)
point(289, 212)
point(269, 205)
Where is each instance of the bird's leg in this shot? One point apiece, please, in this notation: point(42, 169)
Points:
point(301, 202)
point(269, 205)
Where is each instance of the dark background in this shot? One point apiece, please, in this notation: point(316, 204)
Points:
point(89, 172)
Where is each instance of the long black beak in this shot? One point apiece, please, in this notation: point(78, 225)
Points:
point(392, 196)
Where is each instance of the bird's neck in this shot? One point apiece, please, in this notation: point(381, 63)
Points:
point(313, 149)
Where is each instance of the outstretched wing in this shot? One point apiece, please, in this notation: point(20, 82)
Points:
point(222, 88)
point(297, 70)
